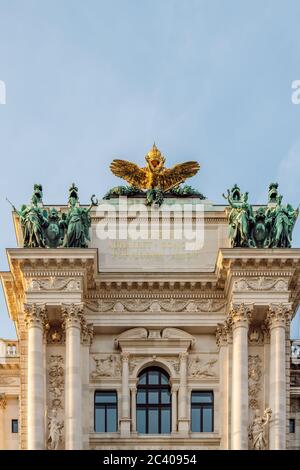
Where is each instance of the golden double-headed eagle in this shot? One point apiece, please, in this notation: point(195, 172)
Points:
point(154, 175)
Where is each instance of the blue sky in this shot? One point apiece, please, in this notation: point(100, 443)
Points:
point(89, 81)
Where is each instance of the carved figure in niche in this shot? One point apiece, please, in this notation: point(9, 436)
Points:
point(257, 429)
point(55, 426)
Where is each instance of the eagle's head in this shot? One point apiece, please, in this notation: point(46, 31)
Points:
point(155, 160)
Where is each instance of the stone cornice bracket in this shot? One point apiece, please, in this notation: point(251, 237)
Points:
point(72, 315)
point(223, 332)
point(3, 401)
point(240, 314)
point(279, 315)
point(35, 315)
point(87, 332)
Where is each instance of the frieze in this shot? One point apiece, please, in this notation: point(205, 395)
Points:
point(261, 283)
point(54, 284)
point(200, 368)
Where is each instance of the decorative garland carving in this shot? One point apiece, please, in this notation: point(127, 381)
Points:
point(261, 283)
point(54, 283)
point(254, 376)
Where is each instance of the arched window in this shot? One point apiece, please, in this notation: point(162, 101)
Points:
point(153, 403)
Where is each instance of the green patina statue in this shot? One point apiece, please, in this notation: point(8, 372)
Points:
point(78, 221)
point(269, 227)
point(47, 228)
point(34, 220)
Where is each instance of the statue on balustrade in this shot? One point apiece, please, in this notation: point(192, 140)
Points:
point(78, 221)
point(240, 218)
point(268, 226)
point(33, 220)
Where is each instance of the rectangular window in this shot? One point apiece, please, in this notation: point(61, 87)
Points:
point(14, 426)
point(106, 411)
point(202, 412)
point(292, 426)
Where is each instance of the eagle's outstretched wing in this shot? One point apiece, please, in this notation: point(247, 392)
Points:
point(130, 172)
point(172, 177)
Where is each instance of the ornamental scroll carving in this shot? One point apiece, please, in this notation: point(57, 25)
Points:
point(56, 389)
point(261, 283)
point(199, 368)
point(254, 377)
point(106, 366)
point(134, 362)
point(155, 306)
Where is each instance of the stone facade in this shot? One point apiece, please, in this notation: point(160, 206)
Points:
point(215, 320)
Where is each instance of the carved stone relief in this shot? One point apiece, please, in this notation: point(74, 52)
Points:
point(254, 377)
point(200, 368)
point(106, 366)
point(54, 283)
point(261, 283)
point(56, 389)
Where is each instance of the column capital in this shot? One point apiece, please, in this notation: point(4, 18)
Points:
point(278, 315)
point(72, 315)
point(125, 356)
point(183, 356)
point(240, 314)
point(3, 401)
point(35, 315)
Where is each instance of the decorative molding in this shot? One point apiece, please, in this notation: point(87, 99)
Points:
point(3, 401)
point(198, 368)
point(157, 306)
point(261, 284)
point(108, 365)
point(254, 380)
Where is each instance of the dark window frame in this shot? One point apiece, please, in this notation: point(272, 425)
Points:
point(106, 406)
point(14, 422)
point(202, 406)
point(160, 387)
point(292, 426)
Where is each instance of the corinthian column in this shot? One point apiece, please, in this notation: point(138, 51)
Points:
point(125, 408)
point(34, 319)
point(239, 316)
point(73, 315)
point(183, 420)
point(277, 319)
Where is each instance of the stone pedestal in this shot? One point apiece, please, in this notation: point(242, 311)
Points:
point(35, 317)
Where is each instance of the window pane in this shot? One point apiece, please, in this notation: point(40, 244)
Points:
point(153, 396)
point(106, 397)
point(141, 421)
point(141, 396)
point(164, 379)
point(111, 419)
point(165, 420)
point(142, 379)
point(100, 419)
point(202, 397)
point(153, 377)
point(196, 419)
point(207, 420)
point(14, 426)
point(292, 425)
point(165, 396)
point(153, 421)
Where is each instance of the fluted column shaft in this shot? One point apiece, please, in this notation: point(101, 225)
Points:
point(239, 410)
point(276, 319)
point(125, 407)
point(183, 420)
point(34, 318)
point(73, 393)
